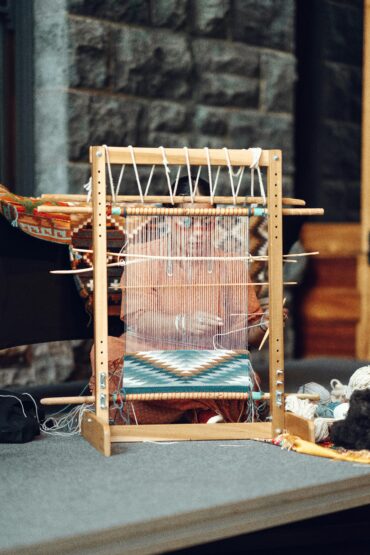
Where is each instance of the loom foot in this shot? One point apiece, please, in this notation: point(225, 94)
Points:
point(96, 432)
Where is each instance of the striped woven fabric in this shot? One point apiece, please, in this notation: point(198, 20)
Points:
point(187, 371)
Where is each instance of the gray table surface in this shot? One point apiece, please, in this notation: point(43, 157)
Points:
point(59, 495)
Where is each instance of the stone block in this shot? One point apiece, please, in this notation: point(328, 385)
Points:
point(210, 17)
point(78, 175)
point(88, 53)
point(267, 23)
point(170, 13)
point(167, 116)
point(342, 87)
point(38, 364)
point(342, 32)
point(341, 150)
point(152, 63)
point(227, 90)
point(78, 107)
point(130, 11)
point(167, 140)
point(95, 120)
point(252, 129)
point(210, 121)
point(114, 121)
point(225, 57)
point(278, 77)
point(203, 140)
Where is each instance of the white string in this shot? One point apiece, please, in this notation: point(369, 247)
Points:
point(240, 172)
point(14, 397)
point(167, 171)
point(34, 402)
point(120, 179)
point(177, 181)
point(256, 153)
point(197, 179)
point(186, 150)
point(88, 189)
point(134, 413)
point(211, 194)
point(132, 153)
point(149, 181)
point(229, 333)
point(67, 425)
point(230, 173)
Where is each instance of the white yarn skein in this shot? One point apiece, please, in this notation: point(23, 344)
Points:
point(301, 407)
point(338, 392)
point(321, 429)
point(359, 380)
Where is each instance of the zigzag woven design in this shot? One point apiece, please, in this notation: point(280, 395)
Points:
point(180, 371)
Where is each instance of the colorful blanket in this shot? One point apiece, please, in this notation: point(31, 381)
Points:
point(327, 449)
point(75, 230)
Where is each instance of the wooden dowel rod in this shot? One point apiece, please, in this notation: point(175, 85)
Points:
point(177, 156)
point(90, 399)
point(247, 257)
point(79, 400)
point(152, 199)
point(154, 211)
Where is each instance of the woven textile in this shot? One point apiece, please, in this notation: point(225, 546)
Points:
point(187, 371)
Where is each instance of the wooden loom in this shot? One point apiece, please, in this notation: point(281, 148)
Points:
point(95, 426)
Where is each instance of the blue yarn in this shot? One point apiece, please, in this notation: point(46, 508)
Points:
point(326, 410)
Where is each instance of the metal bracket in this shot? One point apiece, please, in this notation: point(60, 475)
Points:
point(279, 399)
point(103, 380)
point(103, 401)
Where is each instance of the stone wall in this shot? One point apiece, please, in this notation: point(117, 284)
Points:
point(180, 73)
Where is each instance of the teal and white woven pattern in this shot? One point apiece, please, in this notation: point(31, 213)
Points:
point(187, 371)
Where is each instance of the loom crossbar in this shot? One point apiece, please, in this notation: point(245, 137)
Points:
point(177, 156)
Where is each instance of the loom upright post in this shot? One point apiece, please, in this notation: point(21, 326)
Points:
point(95, 427)
point(275, 269)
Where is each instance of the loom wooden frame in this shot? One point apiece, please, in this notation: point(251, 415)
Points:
point(95, 426)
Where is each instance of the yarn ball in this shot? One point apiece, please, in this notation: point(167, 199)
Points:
point(359, 380)
point(340, 411)
point(338, 391)
point(314, 388)
point(321, 430)
point(326, 410)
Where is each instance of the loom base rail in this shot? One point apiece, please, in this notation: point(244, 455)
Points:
point(101, 435)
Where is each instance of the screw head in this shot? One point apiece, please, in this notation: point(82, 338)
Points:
point(278, 431)
point(276, 157)
point(99, 154)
